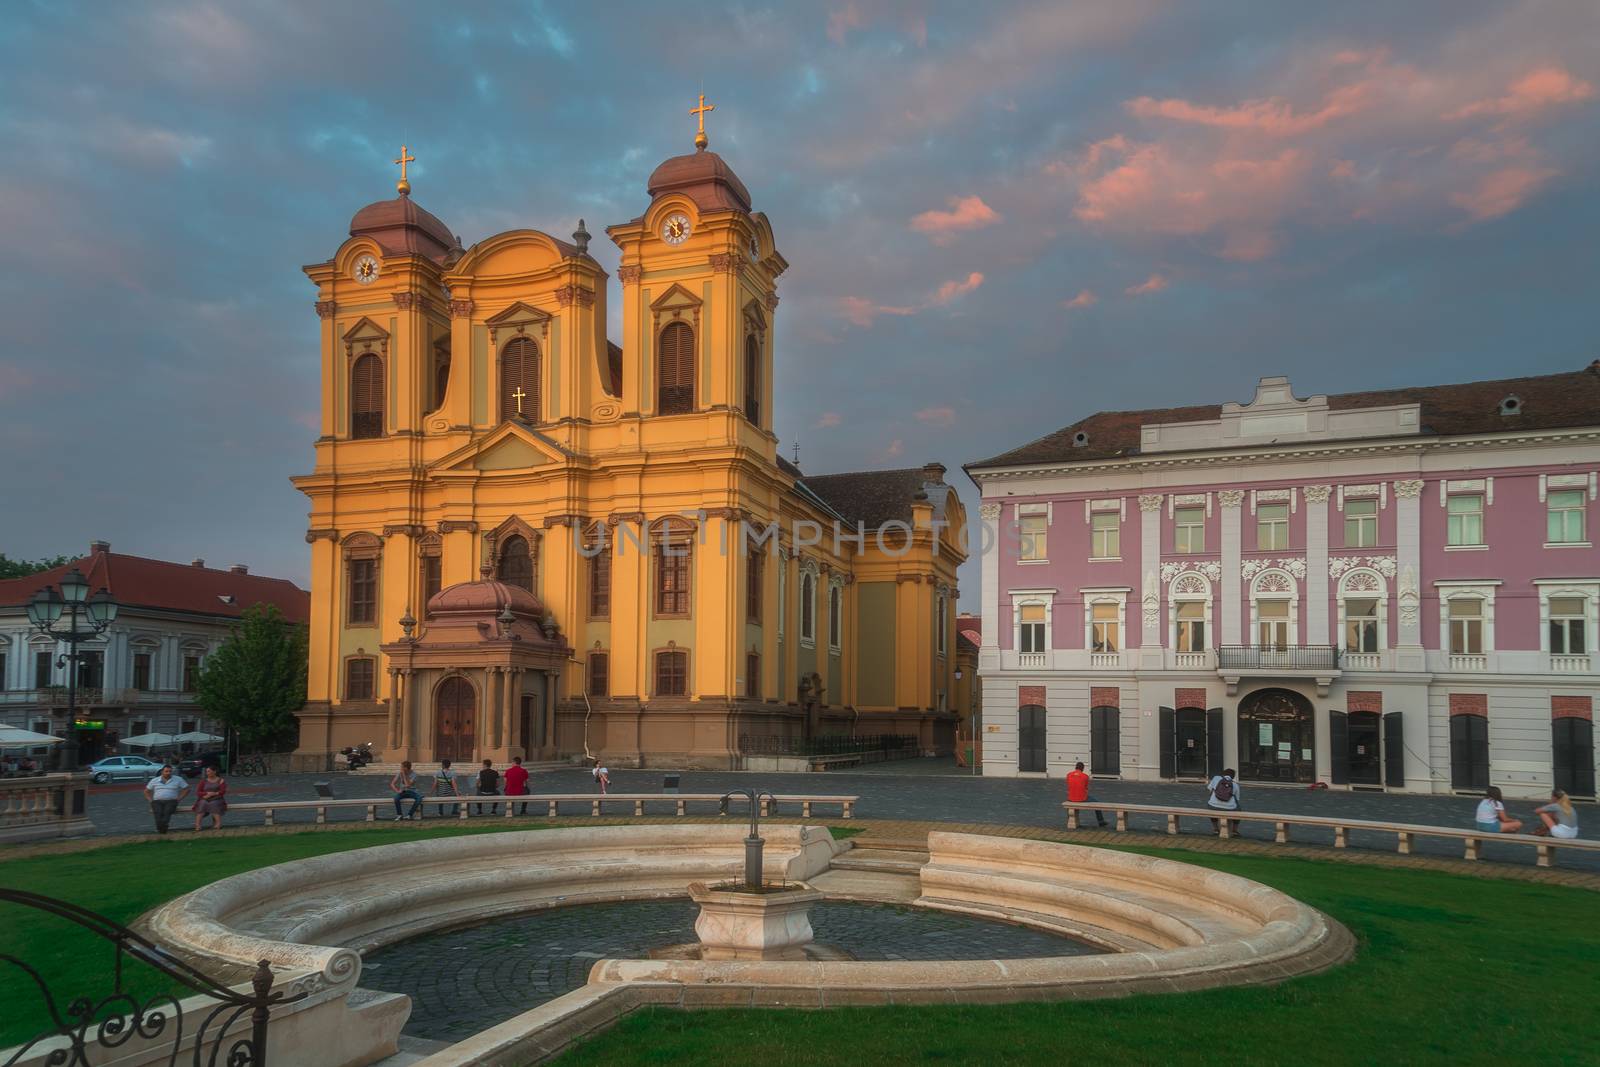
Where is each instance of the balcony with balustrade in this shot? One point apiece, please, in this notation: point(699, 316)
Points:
point(1316, 663)
point(1571, 664)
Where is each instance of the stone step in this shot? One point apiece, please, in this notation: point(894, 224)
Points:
point(886, 861)
point(897, 888)
point(867, 843)
point(471, 770)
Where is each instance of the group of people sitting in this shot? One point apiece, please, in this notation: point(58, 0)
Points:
point(1556, 819)
point(18, 765)
point(447, 782)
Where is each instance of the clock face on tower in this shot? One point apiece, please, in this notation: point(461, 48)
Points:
point(675, 230)
point(366, 270)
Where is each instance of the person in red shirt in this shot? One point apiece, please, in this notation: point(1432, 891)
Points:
point(517, 782)
point(1078, 791)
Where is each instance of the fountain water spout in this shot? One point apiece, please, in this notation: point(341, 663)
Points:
point(753, 844)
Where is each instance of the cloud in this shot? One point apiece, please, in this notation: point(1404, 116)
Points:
point(896, 448)
point(1272, 116)
point(1153, 284)
point(841, 20)
point(828, 420)
point(950, 290)
point(1530, 95)
point(937, 416)
point(1084, 299)
point(966, 213)
point(1501, 192)
point(860, 311)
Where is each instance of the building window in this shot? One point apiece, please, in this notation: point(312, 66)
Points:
point(191, 673)
point(599, 577)
point(1469, 751)
point(432, 577)
point(836, 620)
point(752, 378)
point(752, 676)
point(1361, 625)
point(675, 370)
point(1031, 628)
point(138, 728)
point(1565, 517)
point(1035, 534)
point(1189, 530)
point(1464, 520)
point(1105, 535)
point(938, 620)
point(1567, 637)
point(358, 677)
point(1191, 626)
point(1106, 627)
point(1360, 523)
point(673, 556)
point(1272, 624)
point(519, 380)
point(755, 574)
point(599, 683)
point(808, 607)
point(516, 562)
point(141, 671)
point(363, 590)
point(1466, 626)
point(366, 396)
point(4, 683)
point(43, 668)
point(1272, 527)
point(1105, 740)
point(672, 673)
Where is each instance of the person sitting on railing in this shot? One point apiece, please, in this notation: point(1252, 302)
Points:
point(1222, 793)
point(1558, 816)
point(602, 776)
point(1078, 791)
point(1492, 817)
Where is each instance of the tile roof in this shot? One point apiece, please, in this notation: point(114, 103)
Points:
point(872, 497)
point(1550, 401)
point(136, 582)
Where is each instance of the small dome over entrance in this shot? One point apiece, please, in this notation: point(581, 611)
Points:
point(485, 597)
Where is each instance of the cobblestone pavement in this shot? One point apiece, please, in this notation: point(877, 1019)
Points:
point(901, 793)
point(464, 980)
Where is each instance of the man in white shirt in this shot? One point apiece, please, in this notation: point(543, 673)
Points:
point(1222, 793)
point(163, 792)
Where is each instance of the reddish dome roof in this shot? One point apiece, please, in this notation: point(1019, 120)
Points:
point(705, 178)
point(487, 597)
point(400, 225)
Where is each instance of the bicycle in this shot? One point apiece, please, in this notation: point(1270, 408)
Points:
point(256, 764)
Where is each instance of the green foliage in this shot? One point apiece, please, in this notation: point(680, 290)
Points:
point(21, 568)
point(257, 680)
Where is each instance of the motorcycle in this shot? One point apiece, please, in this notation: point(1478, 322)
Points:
point(356, 757)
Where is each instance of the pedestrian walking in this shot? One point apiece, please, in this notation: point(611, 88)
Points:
point(1558, 816)
point(404, 785)
point(210, 798)
point(444, 781)
point(516, 783)
point(163, 792)
point(602, 776)
point(1492, 817)
point(1222, 793)
point(488, 786)
point(1078, 782)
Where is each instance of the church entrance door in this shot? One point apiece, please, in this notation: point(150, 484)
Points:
point(455, 711)
point(1275, 737)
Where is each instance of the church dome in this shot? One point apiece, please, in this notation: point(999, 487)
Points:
point(703, 177)
point(486, 597)
point(400, 226)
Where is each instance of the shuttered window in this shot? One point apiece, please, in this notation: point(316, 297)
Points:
point(752, 676)
point(432, 570)
point(358, 679)
point(755, 576)
point(519, 374)
point(674, 550)
point(366, 397)
point(363, 590)
point(752, 379)
point(672, 673)
point(675, 370)
point(599, 576)
point(599, 683)
point(516, 563)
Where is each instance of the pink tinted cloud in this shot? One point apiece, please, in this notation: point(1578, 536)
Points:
point(1530, 95)
point(965, 213)
point(1153, 284)
point(1501, 192)
point(1272, 116)
point(896, 448)
point(1084, 299)
point(937, 416)
point(828, 420)
point(860, 311)
point(953, 289)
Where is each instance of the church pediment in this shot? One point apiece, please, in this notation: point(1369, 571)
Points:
point(519, 318)
point(513, 447)
point(676, 298)
point(366, 336)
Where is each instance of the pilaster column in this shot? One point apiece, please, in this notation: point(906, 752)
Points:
point(1316, 598)
point(1408, 574)
point(549, 711)
point(408, 712)
point(394, 710)
point(1150, 579)
point(989, 544)
point(1232, 600)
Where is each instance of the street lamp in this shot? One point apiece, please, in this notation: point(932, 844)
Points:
point(72, 600)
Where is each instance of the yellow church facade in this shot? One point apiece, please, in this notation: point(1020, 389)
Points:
point(530, 541)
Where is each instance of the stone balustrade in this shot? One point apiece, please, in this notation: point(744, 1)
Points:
point(637, 803)
point(41, 807)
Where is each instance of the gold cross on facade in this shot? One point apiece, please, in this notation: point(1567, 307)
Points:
point(700, 140)
point(404, 185)
point(519, 396)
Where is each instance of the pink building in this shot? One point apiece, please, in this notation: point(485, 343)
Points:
point(1393, 589)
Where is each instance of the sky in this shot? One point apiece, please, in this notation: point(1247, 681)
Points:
point(999, 217)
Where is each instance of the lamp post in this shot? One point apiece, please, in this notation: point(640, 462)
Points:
point(72, 600)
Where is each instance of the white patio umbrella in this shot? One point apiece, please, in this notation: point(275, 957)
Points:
point(148, 740)
point(16, 737)
point(196, 737)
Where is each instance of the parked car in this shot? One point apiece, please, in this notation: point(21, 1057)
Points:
point(123, 767)
point(194, 766)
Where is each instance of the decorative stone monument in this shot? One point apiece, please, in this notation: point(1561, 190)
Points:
point(751, 920)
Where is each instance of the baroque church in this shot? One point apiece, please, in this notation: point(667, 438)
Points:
point(530, 540)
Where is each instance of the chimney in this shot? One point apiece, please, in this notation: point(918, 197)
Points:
point(238, 568)
point(934, 471)
point(96, 547)
point(198, 563)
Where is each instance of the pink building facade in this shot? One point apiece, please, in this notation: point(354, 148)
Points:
point(1389, 590)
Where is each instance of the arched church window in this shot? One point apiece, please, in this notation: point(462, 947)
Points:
point(366, 396)
point(675, 370)
point(752, 378)
point(519, 379)
point(516, 563)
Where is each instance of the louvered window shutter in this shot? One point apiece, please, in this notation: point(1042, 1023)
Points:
point(752, 379)
point(675, 370)
point(366, 397)
point(519, 371)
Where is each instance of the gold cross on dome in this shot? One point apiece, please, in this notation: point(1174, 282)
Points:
point(700, 140)
point(404, 185)
point(519, 396)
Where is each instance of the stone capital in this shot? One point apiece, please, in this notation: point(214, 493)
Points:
point(1150, 501)
point(452, 525)
point(567, 519)
point(1230, 498)
point(1318, 494)
point(564, 295)
point(326, 309)
point(1408, 488)
point(989, 512)
point(629, 274)
point(406, 301)
point(313, 536)
point(772, 301)
point(461, 309)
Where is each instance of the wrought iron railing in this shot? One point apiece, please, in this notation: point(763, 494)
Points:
point(88, 1023)
point(873, 747)
point(1267, 657)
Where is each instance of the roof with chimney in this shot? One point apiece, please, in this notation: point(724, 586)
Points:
point(871, 497)
point(193, 588)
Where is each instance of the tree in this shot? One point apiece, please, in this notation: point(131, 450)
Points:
point(21, 568)
point(257, 680)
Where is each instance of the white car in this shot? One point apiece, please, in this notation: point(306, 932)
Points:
point(123, 767)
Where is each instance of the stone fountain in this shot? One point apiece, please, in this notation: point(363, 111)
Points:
point(752, 919)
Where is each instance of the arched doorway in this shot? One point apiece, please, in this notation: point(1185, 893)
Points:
point(1276, 737)
point(455, 711)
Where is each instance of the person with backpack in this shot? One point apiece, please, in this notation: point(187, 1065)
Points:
point(1222, 793)
point(1078, 782)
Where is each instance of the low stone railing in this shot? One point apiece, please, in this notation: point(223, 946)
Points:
point(1405, 833)
point(641, 804)
point(40, 807)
